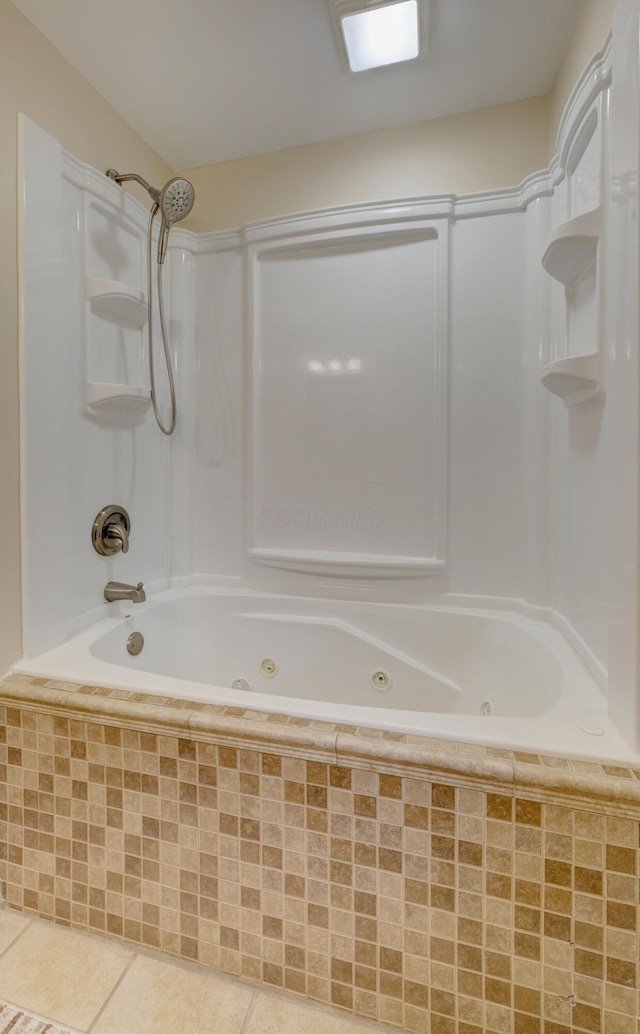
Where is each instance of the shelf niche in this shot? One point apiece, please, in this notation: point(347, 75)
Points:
point(571, 255)
point(575, 379)
point(573, 248)
point(103, 397)
point(114, 301)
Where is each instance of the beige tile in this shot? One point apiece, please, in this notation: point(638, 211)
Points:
point(273, 1016)
point(60, 974)
point(11, 924)
point(160, 996)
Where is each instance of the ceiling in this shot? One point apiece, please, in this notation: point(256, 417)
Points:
point(205, 81)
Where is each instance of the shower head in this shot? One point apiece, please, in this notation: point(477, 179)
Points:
point(175, 201)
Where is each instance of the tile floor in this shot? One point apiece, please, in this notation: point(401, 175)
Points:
point(97, 986)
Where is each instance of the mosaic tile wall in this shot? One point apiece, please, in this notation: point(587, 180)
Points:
point(437, 908)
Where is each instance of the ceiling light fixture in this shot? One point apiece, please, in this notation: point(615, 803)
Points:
point(372, 33)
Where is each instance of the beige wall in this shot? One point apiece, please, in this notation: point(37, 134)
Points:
point(36, 80)
point(480, 150)
point(589, 33)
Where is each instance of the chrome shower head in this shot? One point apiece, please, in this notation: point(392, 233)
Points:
point(175, 201)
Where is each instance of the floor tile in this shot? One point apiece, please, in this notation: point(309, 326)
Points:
point(276, 1016)
point(11, 924)
point(60, 974)
point(157, 996)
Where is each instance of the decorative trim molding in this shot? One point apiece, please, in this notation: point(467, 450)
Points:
point(595, 78)
point(592, 784)
point(186, 240)
point(505, 201)
point(352, 217)
point(215, 241)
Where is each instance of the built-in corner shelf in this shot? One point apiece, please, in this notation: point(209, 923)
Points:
point(100, 397)
point(115, 302)
point(575, 379)
point(573, 248)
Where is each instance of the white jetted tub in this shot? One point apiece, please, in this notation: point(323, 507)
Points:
point(477, 675)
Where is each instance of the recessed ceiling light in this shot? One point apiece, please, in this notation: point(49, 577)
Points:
point(375, 33)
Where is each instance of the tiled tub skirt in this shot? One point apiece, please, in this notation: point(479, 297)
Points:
point(438, 886)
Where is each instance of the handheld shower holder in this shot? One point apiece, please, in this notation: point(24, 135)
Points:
point(174, 202)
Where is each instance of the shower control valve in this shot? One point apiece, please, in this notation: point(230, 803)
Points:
point(110, 531)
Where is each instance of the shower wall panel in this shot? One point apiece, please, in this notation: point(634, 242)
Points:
point(361, 403)
point(620, 567)
point(348, 351)
point(583, 446)
point(219, 406)
point(488, 386)
point(76, 459)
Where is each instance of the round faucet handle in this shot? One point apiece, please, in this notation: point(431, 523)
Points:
point(116, 533)
point(110, 531)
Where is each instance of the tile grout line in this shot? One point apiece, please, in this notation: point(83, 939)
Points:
point(112, 992)
point(249, 1013)
point(17, 936)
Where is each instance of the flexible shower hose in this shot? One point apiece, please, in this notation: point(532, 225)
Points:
point(168, 430)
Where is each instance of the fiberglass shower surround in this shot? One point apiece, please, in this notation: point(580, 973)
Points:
point(446, 433)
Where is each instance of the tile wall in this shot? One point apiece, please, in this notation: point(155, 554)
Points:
point(430, 905)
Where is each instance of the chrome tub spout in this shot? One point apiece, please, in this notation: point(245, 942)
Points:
point(121, 591)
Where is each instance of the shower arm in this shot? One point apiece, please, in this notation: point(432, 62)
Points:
point(113, 174)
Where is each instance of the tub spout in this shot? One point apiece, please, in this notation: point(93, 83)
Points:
point(121, 591)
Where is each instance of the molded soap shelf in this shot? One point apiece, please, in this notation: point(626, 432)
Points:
point(573, 248)
point(114, 301)
point(574, 379)
point(99, 396)
point(362, 565)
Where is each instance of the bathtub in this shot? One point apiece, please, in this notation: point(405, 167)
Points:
point(483, 676)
